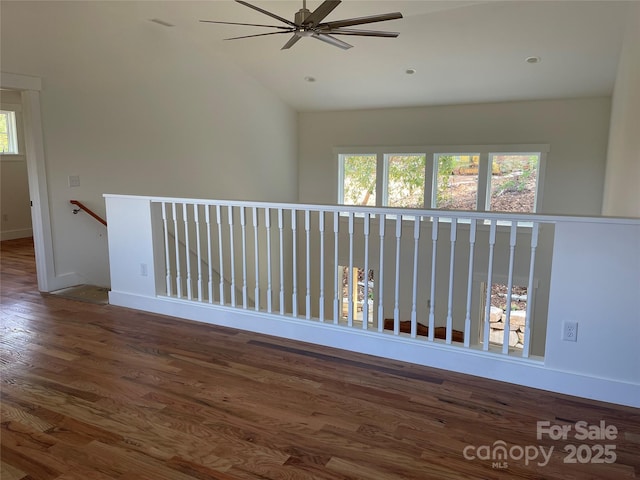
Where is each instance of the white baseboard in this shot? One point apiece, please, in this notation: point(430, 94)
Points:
point(14, 234)
point(525, 372)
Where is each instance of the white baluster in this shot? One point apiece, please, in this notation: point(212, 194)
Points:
point(396, 300)
point(256, 292)
point(435, 221)
point(267, 224)
point(232, 255)
point(243, 229)
point(467, 319)
point(308, 266)
point(381, 276)
point(414, 293)
point(487, 313)
point(507, 319)
point(294, 249)
point(350, 299)
point(187, 249)
point(365, 304)
point(281, 227)
point(530, 297)
point(219, 222)
point(454, 230)
point(207, 218)
point(166, 249)
point(196, 214)
point(336, 220)
point(177, 251)
point(321, 230)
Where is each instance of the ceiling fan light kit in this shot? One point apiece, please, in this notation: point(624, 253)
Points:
point(309, 24)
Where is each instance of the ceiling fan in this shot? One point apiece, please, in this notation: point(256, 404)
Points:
point(309, 24)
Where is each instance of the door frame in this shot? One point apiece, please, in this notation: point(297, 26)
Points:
point(30, 88)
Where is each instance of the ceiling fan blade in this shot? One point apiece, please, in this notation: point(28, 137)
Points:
point(332, 41)
point(258, 35)
point(321, 12)
point(247, 24)
point(272, 15)
point(361, 20)
point(291, 42)
point(363, 33)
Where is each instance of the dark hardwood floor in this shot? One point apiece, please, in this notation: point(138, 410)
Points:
point(100, 392)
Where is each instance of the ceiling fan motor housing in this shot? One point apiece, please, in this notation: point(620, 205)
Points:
point(301, 16)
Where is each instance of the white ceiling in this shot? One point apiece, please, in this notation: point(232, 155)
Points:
point(462, 51)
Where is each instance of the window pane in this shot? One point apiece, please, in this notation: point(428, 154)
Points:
point(8, 141)
point(457, 181)
point(359, 180)
point(4, 133)
point(405, 181)
point(513, 182)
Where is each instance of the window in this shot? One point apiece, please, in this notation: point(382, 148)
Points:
point(358, 179)
point(404, 181)
point(514, 180)
point(503, 178)
point(8, 135)
point(456, 181)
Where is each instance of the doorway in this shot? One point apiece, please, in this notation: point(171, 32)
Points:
point(15, 209)
point(29, 93)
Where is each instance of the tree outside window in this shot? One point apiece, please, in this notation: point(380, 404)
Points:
point(405, 181)
point(359, 180)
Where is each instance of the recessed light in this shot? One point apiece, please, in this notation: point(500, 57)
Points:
point(410, 71)
point(533, 60)
point(309, 79)
point(161, 22)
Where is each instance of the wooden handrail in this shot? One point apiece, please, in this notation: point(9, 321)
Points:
point(81, 206)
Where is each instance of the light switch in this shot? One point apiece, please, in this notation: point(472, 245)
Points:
point(74, 180)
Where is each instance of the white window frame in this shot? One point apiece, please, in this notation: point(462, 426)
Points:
point(486, 152)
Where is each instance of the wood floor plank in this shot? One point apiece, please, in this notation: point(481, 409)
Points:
point(100, 392)
point(8, 472)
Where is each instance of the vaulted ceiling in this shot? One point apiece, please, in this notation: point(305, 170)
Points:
point(461, 51)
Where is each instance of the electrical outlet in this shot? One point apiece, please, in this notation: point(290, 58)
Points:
point(5, 217)
point(570, 331)
point(143, 270)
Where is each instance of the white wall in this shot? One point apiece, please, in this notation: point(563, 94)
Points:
point(15, 212)
point(143, 110)
point(605, 304)
point(576, 130)
point(621, 193)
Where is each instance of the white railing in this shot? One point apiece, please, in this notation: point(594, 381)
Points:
point(430, 269)
point(289, 270)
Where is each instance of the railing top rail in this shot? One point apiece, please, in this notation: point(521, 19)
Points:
point(408, 212)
